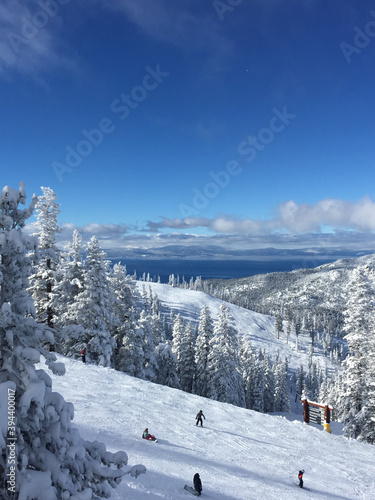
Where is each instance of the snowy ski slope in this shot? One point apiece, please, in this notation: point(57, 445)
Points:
point(258, 327)
point(240, 454)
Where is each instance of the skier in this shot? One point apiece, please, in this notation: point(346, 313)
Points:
point(300, 474)
point(83, 354)
point(197, 484)
point(146, 435)
point(198, 418)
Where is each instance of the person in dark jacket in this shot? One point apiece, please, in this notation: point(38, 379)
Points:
point(83, 354)
point(197, 484)
point(198, 418)
point(300, 475)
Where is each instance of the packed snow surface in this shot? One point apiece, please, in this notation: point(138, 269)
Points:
point(239, 454)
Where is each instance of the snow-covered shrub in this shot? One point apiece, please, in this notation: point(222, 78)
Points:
point(42, 456)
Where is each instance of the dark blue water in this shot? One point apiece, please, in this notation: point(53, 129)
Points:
point(210, 269)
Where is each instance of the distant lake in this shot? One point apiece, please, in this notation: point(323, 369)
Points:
point(211, 269)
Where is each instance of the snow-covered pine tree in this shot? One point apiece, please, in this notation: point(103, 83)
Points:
point(279, 325)
point(335, 391)
point(130, 356)
point(300, 382)
point(71, 279)
point(323, 394)
point(359, 327)
point(166, 373)
point(247, 364)
point(69, 283)
point(312, 381)
point(144, 298)
point(223, 362)
point(310, 358)
point(94, 307)
point(144, 331)
point(259, 385)
point(368, 410)
point(186, 365)
point(310, 328)
point(289, 318)
point(178, 341)
point(50, 460)
point(43, 280)
point(177, 336)
point(124, 306)
point(172, 318)
point(297, 331)
point(158, 330)
point(269, 385)
point(165, 327)
point(282, 402)
point(202, 349)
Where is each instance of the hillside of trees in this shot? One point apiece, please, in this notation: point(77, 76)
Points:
point(66, 301)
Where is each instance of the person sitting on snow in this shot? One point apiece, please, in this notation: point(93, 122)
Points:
point(146, 435)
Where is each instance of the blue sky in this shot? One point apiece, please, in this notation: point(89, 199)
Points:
point(229, 124)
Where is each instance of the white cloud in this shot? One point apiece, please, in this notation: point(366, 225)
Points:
point(30, 39)
point(186, 223)
point(295, 227)
point(32, 32)
point(229, 225)
point(338, 214)
point(290, 216)
point(117, 242)
point(109, 235)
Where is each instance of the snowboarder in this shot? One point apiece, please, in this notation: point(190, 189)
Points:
point(300, 474)
point(83, 354)
point(198, 418)
point(147, 435)
point(197, 484)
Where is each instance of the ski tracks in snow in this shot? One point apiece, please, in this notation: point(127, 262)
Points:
point(240, 454)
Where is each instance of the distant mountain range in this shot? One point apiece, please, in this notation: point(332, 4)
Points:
point(219, 252)
point(324, 287)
